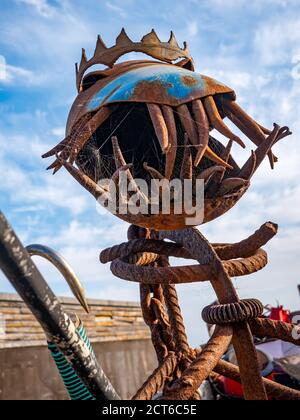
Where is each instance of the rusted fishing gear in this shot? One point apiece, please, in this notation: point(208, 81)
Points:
point(181, 370)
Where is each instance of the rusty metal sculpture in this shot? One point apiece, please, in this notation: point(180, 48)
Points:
point(127, 113)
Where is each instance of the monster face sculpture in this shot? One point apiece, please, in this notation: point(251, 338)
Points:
point(152, 119)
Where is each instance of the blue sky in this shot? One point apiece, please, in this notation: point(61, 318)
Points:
point(252, 46)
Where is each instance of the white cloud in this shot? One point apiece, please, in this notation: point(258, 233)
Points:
point(17, 76)
point(277, 41)
point(115, 8)
point(192, 28)
point(58, 131)
point(41, 6)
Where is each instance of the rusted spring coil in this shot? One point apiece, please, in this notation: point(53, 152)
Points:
point(241, 311)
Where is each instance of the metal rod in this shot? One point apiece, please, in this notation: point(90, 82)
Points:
point(21, 271)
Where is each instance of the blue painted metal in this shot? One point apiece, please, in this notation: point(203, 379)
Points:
point(166, 83)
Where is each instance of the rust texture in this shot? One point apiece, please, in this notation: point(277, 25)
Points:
point(145, 259)
point(183, 107)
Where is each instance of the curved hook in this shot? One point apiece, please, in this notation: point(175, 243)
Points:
point(64, 268)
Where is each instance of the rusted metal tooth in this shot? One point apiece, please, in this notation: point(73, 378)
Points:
point(160, 126)
point(118, 155)
point(209, 172)
point(171, 153)
point(225, 155)
point(85, 181)
point(247, 125)
point(125, 168)
point(264, 148)
point(217, 122)
point(120, 162)
point(186, 171)
point(153, 172)
point(248, 169)
point(217, 178)
point(202, 125)
point(66, 146)
point(156, 175)
point(58, 148)
point(210, 154)
point(88, 130)
point(265, 130)
point(230, 184)
point(188, 124)
point(283, 132)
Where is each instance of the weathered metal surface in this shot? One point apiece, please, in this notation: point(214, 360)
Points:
point(20, 270)
point(159, 83)
point(182, 108)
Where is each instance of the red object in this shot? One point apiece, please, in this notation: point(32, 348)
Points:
point(280, 314)
point(234, 389)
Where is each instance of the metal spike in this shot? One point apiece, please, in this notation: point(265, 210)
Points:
point(225, 155)
point(210, 154)
point(116, 175)
point(121, 162)
point(217, 122)
point(173, 41)
point(58, 148)
point(187, 162)
point(185, 47)
point(247, 125)
point(231, 184)
point(264, 149)
point(83, 58)
point(202, 125)
point(172, 152)
point(100, 46)
point(123, 38)
point(159, 125)
point(118, 155)
point(248, 169)
point(188, 124)
point(153, 172)
point(151, 38)
point(85, 181)
point(209, 172)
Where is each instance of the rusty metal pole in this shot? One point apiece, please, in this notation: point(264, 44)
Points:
point(22, 273)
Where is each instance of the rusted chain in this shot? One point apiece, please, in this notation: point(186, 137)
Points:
point(152, 322)
point(157, 380)
point(146, 261)
point(276, 329)
point(203, 252)
point(176, 320)
point(274, 390)
point(186, 386)
point(242, 311)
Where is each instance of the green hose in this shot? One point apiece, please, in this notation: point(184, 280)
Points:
point(75, 387)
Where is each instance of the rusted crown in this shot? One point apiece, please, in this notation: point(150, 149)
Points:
point(150, 44)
